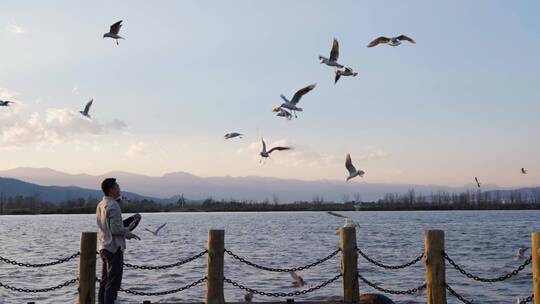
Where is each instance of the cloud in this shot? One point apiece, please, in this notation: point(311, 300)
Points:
point(6, 94)
point(15, 29)
point(374, 155)
point(137, 149)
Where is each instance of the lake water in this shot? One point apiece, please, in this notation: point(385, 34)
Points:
point(483, 242)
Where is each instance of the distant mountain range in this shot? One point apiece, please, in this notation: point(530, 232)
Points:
point(170, 185)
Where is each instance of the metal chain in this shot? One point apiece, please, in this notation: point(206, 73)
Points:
point(489, 280)
point(60, 261)
point(48, 289)
point(161, 293)
point(408, 264)
point(457, 295)
point(527, 299)
point(390, 291)
point(282, 269)
point(182, 262)
point(282, 294)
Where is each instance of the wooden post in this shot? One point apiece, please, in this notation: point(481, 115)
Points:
point(214, 274)
point(535, 247)
point(87, 268)
point(435, 266)
point(349, 264)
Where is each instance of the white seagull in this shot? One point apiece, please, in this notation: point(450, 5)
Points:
point(348, 221)
point(291, 104)
point(5, 103)
point(523, 171)
point(233, 135)
point(86, 111)
point(113, 31)
point(477, 182)
point(334, 55)
point(265, 154)
point(298, 280)
point(157, 230)
point(345, 72)
point(282, 113)
point(394, 41)
point(352, 170)
point(520, 254)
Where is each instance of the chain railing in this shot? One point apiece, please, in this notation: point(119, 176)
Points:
point(39, 265)
point(41, 290)
point(236, 257)
point(386, 266)
point(159, 267)
point(464, 300)
point(411, 291)
point(487, 280)
point(161, 293)
point(282, 294)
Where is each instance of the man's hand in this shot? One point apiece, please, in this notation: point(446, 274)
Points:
point(130, 236)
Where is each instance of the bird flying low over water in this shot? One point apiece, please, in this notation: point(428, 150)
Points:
point(86, 111)
point(520, 254)
point(352, 170)
point(157, 230)
point(266, 154)
point(334, 55)
point(233, 135)
point(291, 104)
point(477, 182)
point(345, 72)
point(5, 103)
point(282, 113)
point(523, 171)
point(113, 32)
point(298, 280)
point(348, 220)
point(394, 41)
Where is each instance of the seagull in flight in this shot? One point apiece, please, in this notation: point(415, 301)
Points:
point(233, 135)
point(298, 280)
point(345, 72)
point(352, 170)
point(291, 104)
point(113, 32)
point(157, 230)
point(5, 103)
point(394, 41)
point(477, 182)
point(334, 54)
point(348, 220)
point(523, 171)
point(520, 254)
point(282, 113)
point(86, 111)
point(266, 154)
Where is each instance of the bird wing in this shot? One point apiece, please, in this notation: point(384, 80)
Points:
point(278, 149)
point(295, 276)
point(302, 92)
point(336, 214)
point(378, 41)
point(284, 98)
point(403, 37)
point(149, 230)
point(160, 227)
point(115, 28)
point(334, 53)
point(348, 70)
point(264, 145)
point(338, 75)
point(348, 164)
point(88, 105)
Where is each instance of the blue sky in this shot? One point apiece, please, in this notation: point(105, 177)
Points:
point(462, 102)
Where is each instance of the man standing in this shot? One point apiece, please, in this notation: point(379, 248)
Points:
point(112, 241)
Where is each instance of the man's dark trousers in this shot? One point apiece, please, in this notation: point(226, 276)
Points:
point(111, 276)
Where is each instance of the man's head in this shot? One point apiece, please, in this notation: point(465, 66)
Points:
point(110, 187)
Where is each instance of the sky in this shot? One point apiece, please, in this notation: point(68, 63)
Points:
point(462, 102)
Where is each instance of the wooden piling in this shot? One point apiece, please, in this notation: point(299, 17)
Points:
point(87, 268)
point(214, 273)
point(349, 264)
point(535, 247)
point(435, 266)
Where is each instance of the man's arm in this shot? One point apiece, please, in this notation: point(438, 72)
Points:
point(115, 222)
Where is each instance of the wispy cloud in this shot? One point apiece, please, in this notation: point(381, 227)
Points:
point(137, 149)
point(15, 29)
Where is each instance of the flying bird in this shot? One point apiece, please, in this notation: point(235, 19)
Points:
point(394, 41)
point(346, 72)
point(282, 113)
point(520, 254)
point(266, 154)
point(348, 220)
point(477, 182)
point(334, 54)
point(86, 111)
point(113, 32)
point(5, 103)
point(233, 135)
point(291, 104)
point(352, 170)
point(298, 280)
point(523, 171)
point(157, 230)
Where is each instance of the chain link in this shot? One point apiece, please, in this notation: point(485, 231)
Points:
point(48, 289)
point(372, 261)
point(527, 299)
point(457, 295)
point(390, 291)
point(161, 293)
point(21, 264)
point(282, 294)
point(489, 280)
point(182, 262)
point(283, 269)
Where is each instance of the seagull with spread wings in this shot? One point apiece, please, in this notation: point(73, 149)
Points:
point(394, 41)
point(291, 104)
point(334, 55)
point(5, 103)
point(113, 32)
point(155, 232)
point(477, 182)
point(298, 280)
point(523, 171)
point(266, 154)
point(345, 72)
point(86, 111)
point(282, 113)
point(352, 170)
point(233, 135)
point(348, 220)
